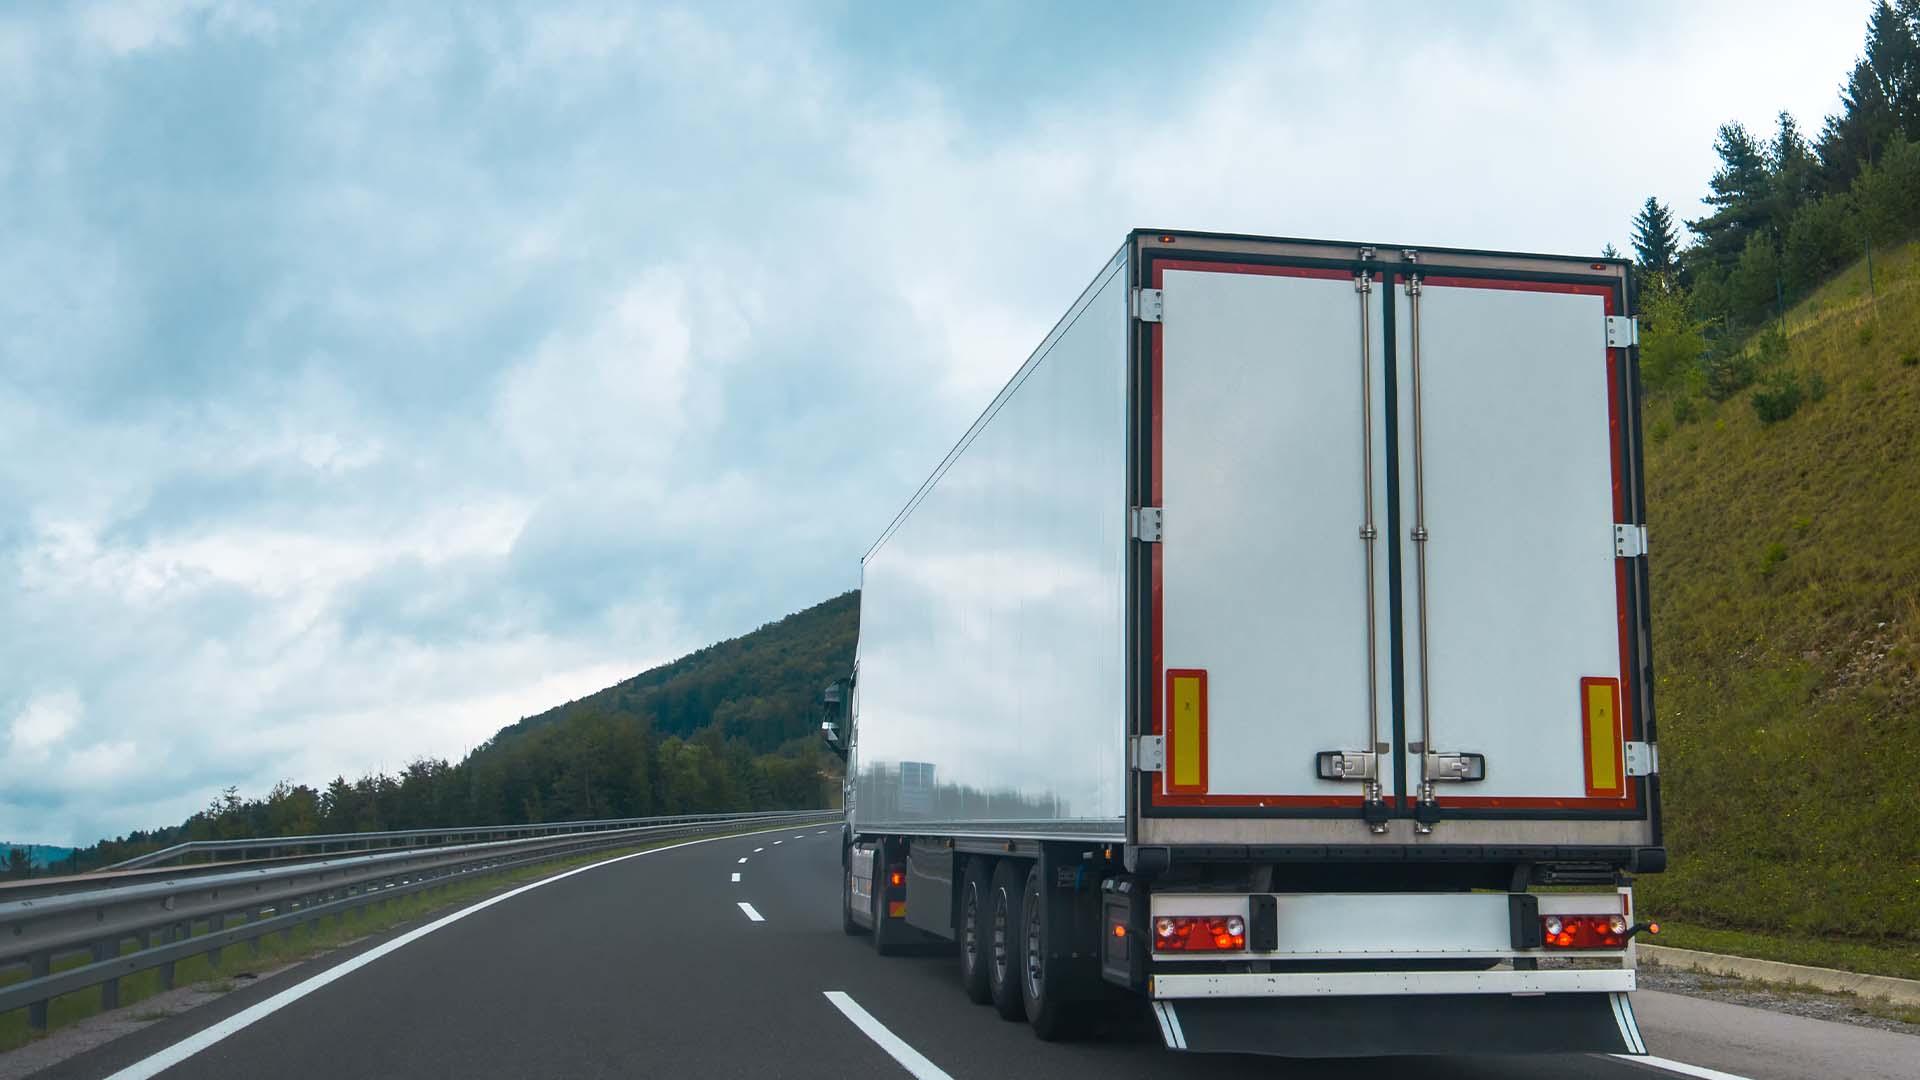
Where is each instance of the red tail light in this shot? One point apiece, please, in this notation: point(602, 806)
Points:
point(1584, 931)
point(1199, 933)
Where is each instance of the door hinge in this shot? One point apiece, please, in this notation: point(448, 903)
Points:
point(1629, 541)
point(1149, 753)
point(1149, 305)
point(1623, 331)
point(1144, 523)
point(1643, 758)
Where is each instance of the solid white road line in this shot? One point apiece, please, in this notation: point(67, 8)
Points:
point(193, 1044)
point(1680, 1067)
point(736, 875)
point(747, 909)
point(912, 1060)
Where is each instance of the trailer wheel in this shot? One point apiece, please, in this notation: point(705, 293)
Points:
point(1003, 939)
point(1040, 989)
point(973, 929)
point(883, 942)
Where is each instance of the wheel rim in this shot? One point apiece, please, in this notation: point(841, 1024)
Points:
point(970, 927)
point(999, 936)
point(1033, 948)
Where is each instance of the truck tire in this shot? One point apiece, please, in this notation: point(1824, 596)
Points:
point(883, 942)
point(972, 929)
point(1003, 939)
point(1040, 986)
point(852, 928)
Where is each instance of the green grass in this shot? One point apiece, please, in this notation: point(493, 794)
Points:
point(1785, 568)
point(282, 948)
point(1866, 957)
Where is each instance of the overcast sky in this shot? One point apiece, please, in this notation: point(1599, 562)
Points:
point(371, 377)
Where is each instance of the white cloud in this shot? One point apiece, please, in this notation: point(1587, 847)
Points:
point(46, 719)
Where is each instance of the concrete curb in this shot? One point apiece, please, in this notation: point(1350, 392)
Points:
point(1899, 991)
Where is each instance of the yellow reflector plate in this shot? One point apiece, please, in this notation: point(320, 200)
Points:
point(1185, 713)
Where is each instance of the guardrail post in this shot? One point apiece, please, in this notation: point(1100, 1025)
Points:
point(38, 965)
point(215, 924)
point(168, 935)
point(109, 990)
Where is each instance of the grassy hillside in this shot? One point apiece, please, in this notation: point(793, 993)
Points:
point(1786, 576)
point(762, 687)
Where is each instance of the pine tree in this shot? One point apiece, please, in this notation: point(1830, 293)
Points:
point(1654, 242)
point(1880, 97)
point(1610, 252)
point(1740, 189)
point(1792, 167)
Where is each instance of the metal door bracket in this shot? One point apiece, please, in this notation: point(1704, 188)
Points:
point(1629, 541)
point(1149, 753)
point(1346, 765)
point(1643, 759)
point(1456, 767)
point(1144, 523)
point(1149, 305)
point(1623, 331)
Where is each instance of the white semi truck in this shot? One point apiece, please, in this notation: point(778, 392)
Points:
point(1275, 646)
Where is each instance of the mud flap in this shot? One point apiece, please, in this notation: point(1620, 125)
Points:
point(1380, 1026)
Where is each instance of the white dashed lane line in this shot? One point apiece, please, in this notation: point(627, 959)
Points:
point(736, 875)
point(743, 858)
point(910, 1059)
point(777, 843)
point(750, 913)
point(758, 850)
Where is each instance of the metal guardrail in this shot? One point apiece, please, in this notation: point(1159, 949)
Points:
point(160, 915)
point(273, 845)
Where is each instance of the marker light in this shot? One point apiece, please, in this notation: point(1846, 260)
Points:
point(896, 879)
point(1119, 930)
point(1199, 933)
point(1583, 931)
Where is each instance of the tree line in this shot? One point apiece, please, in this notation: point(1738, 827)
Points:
point(731, 727)
point(1787, 211)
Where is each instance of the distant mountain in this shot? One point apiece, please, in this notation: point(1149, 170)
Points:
point(39, 856)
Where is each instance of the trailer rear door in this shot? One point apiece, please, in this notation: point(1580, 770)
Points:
point(1388, 581)
point(1510, 441)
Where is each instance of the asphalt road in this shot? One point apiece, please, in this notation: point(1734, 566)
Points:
point(652, 967)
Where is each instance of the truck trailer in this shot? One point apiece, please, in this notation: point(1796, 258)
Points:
point(1275, 647)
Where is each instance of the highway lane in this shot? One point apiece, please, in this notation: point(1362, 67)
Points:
point(658, 966)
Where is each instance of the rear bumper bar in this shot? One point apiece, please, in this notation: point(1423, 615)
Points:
point(1322, 1027)
point(1166, 987)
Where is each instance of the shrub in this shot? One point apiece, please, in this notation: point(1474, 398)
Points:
point(1771, 557)
point(1661, 431)
point(1910, 359)
point(1779, 397)
point(1686, 409)
point(1820, 240)
point(1866, 332)
point(1727, 371)
point(1816, 386)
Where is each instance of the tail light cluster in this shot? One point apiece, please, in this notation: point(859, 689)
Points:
point(1584, 931)
point(1199, 933)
